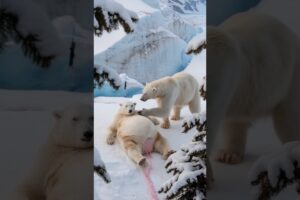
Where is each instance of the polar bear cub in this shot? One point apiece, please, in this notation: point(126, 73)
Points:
point(172, 93)
point(64, 162)
point(134, 132)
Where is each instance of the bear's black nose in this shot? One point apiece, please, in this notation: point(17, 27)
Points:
point(88, 134)
point(130, 111)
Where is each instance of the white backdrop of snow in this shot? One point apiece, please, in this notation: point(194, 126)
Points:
point(151, 48)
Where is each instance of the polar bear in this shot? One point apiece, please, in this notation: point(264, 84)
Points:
point(172, 93)
point(253, 71)
point(137, 134)
point(64, 163)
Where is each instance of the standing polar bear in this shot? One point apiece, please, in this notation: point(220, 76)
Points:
point(137, 134)
point(64, 163)
point(253, 71)
point(172, 93)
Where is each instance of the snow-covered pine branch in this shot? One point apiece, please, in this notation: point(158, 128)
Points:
point(108, 14)
point(99, 167)
point(197, 44)
point(34, 32)
point(102, 74)
point(196, 120)
point(271, 174)
point(188, 166)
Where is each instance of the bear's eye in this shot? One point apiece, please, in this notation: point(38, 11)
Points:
point(75, 119)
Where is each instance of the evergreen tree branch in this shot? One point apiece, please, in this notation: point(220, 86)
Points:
point(8, 29)
point(108, 21)
point(266, 190)
point(103, 76)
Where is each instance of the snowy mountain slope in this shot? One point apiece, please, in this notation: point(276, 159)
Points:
point(187, 6)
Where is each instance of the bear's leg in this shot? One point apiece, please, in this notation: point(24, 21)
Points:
point(111, 136)
point(286, 118)
point(194, 104)
point(166, 123)
point(176, 113)
point(161, 146)
point(133, 150)
point(154, 120)
point(234, 142)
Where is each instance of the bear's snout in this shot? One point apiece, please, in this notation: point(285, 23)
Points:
point(88, 135)
point(130, 111)
point(144, 98)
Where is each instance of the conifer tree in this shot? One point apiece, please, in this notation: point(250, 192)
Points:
point(272, 174)
point(109, 15)
point(188, 165)
point(29, 42)
point(99, 167)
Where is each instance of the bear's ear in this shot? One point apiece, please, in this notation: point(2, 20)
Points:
point(134, 104)
point(57, 114)
point(120, 104)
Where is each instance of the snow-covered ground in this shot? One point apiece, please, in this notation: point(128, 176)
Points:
point(127, 181)
point(170, 39)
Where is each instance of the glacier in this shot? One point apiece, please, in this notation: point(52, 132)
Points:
point(152, 51)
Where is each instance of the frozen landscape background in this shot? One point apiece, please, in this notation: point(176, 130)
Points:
point(155, 49)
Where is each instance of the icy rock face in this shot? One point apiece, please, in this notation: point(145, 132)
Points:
point(187, 6)
point(152, 3)
point(149, 53)
point(179, 26)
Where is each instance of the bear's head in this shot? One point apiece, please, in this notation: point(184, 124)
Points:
point(73, 127)
point(127, 108)
point(151, 91)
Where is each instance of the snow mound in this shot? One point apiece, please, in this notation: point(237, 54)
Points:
point(128, 88)
point(195, 44)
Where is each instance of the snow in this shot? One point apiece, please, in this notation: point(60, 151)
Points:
point(155, 49)
point(133, 87)
point(273, 163)
point(114, 7)
point(99, 163)
point(39, 24)
point(55, 37)
point(196, 42)
point(232, 181)
point(127, 179)
point(26, 119)
point(161, 48)
point(159, 39)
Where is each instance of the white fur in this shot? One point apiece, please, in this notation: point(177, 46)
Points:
point(132, 131)
point(172, 93)
point(64, 163)
point(254, 62)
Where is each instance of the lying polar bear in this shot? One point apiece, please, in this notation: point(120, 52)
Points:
point(170, 93)
point(64, 163)
point(133, 132)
